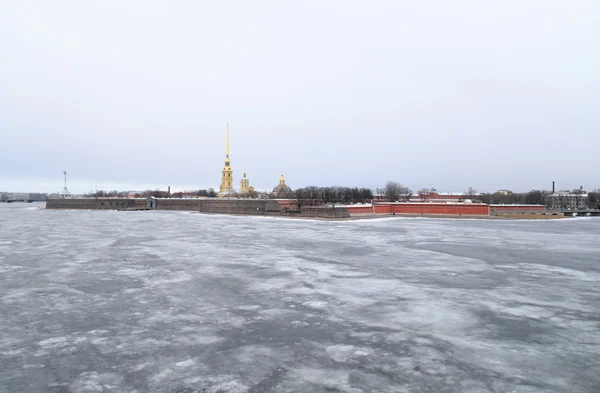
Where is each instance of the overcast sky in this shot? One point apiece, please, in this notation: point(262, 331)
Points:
point(445, 94)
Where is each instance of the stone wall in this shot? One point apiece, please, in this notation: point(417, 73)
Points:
point(217, 206)
point(361, 210)
point(226, 206)
point(234, 206)
point(96, 203)
point(272, 205)
point(178, 204)
point(325, 212)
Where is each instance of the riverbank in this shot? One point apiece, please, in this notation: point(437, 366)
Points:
point(517, 216)
point(371, 217)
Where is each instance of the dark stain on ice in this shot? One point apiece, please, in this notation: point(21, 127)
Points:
point(506, 327)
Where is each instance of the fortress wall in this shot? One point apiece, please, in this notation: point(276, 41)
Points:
point(441, 208)
point(178, 204)
point(95, 203)
point(475, 209)
point(217, 206)
point(272, 205)
point(70, 204)
point(361, 210)
point(383, 208)
point(234, 206)
point(325, 212)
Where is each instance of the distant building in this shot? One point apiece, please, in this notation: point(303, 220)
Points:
point(567, 200)
point(22, 197)
point(441, 197)
point(37, 197)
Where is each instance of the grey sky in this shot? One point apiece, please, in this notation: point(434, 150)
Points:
point(449, 94)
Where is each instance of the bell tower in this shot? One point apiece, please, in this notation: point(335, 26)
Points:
point(244, 184)
point(227, 178)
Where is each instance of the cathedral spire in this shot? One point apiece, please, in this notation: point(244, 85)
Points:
point(227, 178)
point(227, 142)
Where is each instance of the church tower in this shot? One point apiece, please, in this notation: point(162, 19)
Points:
point(227, 179)
point(244, 184)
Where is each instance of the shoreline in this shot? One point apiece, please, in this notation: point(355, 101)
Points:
point(386, 215)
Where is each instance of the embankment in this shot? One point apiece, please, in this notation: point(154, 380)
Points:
point(96, 203)
point(271, 207)
point(284, 208)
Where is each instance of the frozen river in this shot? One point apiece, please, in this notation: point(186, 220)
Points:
point(102, 301)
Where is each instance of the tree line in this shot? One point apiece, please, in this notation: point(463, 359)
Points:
point(391, 192)
point(208, 193)
point(316, 196)
point(533, 197)
point(539, 197)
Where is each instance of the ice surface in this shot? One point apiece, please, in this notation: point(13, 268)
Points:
point(103, 301)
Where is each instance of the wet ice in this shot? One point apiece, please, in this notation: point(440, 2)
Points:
point(180, 302)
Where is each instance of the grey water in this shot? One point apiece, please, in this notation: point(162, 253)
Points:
point(149, 301)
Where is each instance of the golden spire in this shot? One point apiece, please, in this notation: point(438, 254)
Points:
point(227, 179)
point(227, 142)
point(282, 179)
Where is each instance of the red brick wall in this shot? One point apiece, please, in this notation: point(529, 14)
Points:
point(382, 208)
point(354, 210)
point(433, 208)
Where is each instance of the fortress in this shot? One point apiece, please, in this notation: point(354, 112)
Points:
point(228, 201)
point(281, 202)
point(226, 189)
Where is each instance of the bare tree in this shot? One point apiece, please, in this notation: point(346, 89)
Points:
point(316, 196)
point(330, 195)
point(366, 195)
point(424, 194)
point(534, 197)
point(594, 200)
point(300, 196)
point(392, 191)
point(405, 193)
